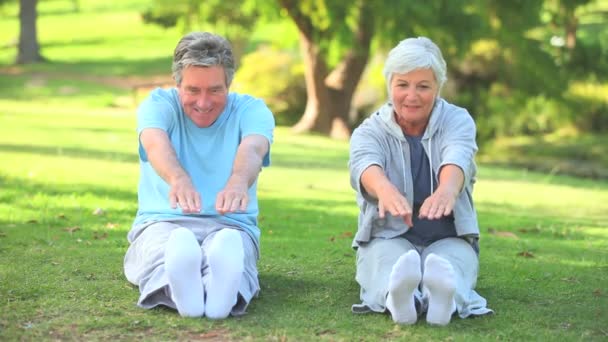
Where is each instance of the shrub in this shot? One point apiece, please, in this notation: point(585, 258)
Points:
point(278, 78)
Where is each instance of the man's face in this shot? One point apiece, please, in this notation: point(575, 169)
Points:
point(203, 93)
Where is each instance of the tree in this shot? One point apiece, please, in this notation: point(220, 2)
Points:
point(330, 92)
point(345, 31)
point(231, 18)
point(490, 46)
point(336, 38)
point(29, 49)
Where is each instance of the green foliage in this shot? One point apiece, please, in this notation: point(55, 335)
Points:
point(518, 81)
point(165, 19)
point(230, 18)
point(561, 152)
point(589, 105)
point(278, 78)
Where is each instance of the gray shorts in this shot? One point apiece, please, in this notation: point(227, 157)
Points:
point(375, 262)
point(144, 261)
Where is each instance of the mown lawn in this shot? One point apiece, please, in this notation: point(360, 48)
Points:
point(68, 182)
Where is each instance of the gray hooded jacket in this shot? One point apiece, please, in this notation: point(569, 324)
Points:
point(449, 138)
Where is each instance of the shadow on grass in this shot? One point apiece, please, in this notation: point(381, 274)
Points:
point(73, 152)
point(63, 205)
point(503, 172)
point(285, 159)
point(102, 68)
point(46, 88)
point(526, 217)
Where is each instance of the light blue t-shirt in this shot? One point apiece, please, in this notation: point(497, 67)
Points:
point(207, 154)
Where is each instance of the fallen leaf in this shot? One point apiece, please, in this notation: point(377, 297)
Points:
point(100, 237)
point(346, 234)
point(503, 234)
point(99, 212)
point(526, 254)
point(325, 332)
point(529, 230)
point(111, 225)
point(71, 230)
point(570, 280)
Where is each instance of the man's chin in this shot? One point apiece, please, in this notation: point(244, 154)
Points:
point(201, 121)
point(203, 124)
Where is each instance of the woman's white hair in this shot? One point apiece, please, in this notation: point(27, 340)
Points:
point(415, 53)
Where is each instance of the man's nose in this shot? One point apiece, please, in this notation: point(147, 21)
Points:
point(201, 100)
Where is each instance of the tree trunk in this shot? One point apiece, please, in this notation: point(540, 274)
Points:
point(29, 49)
point(571, 27)
point(317, 93)
point(329, 97)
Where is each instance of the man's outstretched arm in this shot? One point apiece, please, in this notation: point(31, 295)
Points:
point(163, 158)
point(245, 170)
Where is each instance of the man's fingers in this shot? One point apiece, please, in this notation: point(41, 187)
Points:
point(230, 202)
point(244, 203)
point(173, 201)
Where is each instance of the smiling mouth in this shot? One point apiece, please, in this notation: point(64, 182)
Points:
point(201, 111)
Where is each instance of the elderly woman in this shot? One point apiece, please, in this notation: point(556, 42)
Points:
point(412, 165)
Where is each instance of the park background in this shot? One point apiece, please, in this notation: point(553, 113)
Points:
point(533, 74)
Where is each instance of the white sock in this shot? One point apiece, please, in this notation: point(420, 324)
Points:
point(403, 280)
point(183, 257)
point(440, 282)
point(225, 257)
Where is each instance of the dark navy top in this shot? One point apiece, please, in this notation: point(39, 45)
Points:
point(425, 232)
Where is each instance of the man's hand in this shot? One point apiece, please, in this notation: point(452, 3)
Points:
point(233, 198)
point(183, 194)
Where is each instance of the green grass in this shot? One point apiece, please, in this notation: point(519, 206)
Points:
point(61, 270)
point(563, 152)
point(68, 148)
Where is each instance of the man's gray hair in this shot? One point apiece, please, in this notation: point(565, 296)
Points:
point(203, 49)
point(415, 53)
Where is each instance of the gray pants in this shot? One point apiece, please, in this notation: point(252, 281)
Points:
point(375, 261)
point(144, 262)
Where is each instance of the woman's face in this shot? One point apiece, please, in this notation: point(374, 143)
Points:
point(413, 95)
